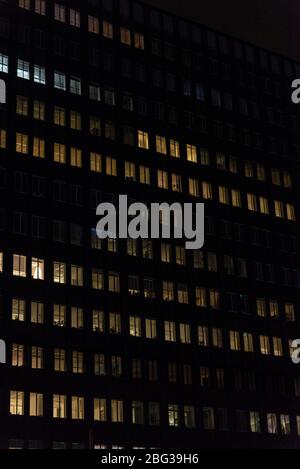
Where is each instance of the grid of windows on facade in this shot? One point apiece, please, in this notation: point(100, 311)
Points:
point(130, 171)
point(194, 116)
point(141, 413)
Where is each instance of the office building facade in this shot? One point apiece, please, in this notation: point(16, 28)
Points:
point(141, 343)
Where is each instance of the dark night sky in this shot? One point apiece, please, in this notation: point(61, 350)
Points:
point(272, 24)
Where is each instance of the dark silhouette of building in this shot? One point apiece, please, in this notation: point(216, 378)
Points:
point(139, 343)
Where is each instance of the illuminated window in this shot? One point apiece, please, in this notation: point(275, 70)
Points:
point(252, 202)
point(151, 329)
point(18, 310)
point(144, 175)
point(59, 315)
point(162, 179)
point(135, 326)
point(274, 311)
point(143, 140)
point(165, 252)
point(233, 168)
point(277, 347)
point(191, 151)
point(17, 358)
point(60, 363)
point(111, 166)
point(290, 212)
point(21, 143)
point(99, 364)
point(76, 157)
point(249, 171)
point(203, 338)
point(200, 294)
point(108, 30)
point(261, 173)
point(37, 312)
point(24, 4)
point(248, 342)
point(60, 82)
point(235, 344)
point(137, 412)
point(2, 138)
point(59, 406)
point(22, 105)
point(59, 153)
point(74, 18)
point(19, 265)
point(95, 126)
point(185, 333)
point(76, 276)
point(236, 198)
point(149, 289)
point(59, 13)
point(255, 422)
point(287, 180)
point(3, 63)
point(98, 321)
point(168, 291)
point(279, 209)
point(289, 312)
point(139, 42)
point(38, 110)
point(36, 404)
point(93, 25)
point(38, 147)
point(207, 190)
point(76, 318)
point(77, 363)
point(37, 358)
point(214, 299)
point(132, 250)
point(272, 424)
point(97, 279)
point(117, 411)
point(176, 183)
point(194, 187)
point(59, 272)
point(264, 345)
point(221, 161)
point(112, 245)
point(125, 36)
point(37, 268)
point(16, 403)
point(224, 195)
point(285, 424)
point(114, 282)
point(39, 74)
point(261, 307)
point(114, 323)
point(170, 331)
point(75, 85)
point(161, 145)
point(23, 69)
point(174, 149)
point(40, 7)
point(173, 415)
point(100, 414)
point(130, 171)
point(96, 162)
point(264, 205)
point(217, 338)
point(183, 296)
point(276, 180)
point(75, 120)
